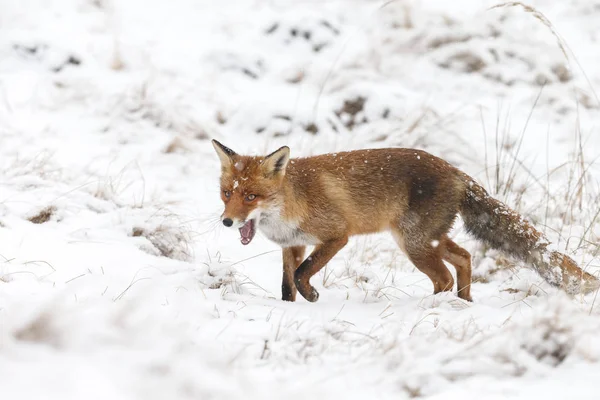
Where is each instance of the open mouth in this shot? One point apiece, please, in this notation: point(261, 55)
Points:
point(247, 232)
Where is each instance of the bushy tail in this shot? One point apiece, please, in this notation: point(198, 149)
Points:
point(503, 229)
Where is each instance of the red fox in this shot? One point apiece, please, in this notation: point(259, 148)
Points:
point(321, 201)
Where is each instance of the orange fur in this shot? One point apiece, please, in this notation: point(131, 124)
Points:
point(325, 199)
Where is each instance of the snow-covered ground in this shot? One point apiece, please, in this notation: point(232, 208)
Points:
point(117, 280)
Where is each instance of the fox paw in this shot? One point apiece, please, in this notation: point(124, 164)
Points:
point(287, 293)
point(466, 298)
point(305, 288)
point(311, 294)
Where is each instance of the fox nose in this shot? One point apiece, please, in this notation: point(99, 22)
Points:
point(227, 222)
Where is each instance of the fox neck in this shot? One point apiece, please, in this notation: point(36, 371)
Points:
point(293, 206)
point(281, 222)
point(282, 205)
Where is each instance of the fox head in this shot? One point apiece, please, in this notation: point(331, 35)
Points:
point(249, 186)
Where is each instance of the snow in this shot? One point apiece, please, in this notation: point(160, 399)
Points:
point(118, 280)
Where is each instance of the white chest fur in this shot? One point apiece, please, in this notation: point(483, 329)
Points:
point(284, 233)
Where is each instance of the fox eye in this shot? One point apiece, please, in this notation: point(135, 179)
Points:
point(227, 193)
point(251, 197)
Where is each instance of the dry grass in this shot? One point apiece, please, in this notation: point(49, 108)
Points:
point(564, 47)
point(540, 17)
point(117, 63)
point(113, 187)
point(177, 145)
point(170, 241)
point(41, 164)
point(38, 330)
point(44, 215)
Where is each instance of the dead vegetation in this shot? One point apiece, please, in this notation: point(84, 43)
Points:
point(167, 241)
point(317, 35)
point(126, 188)
point(351, 112)
point(43, 216)
point(465, 61)
point(177, 145)
point(561, 43)
point(40, 329)
point(497, 54)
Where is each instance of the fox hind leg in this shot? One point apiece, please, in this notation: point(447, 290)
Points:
point(292, 258)
point(428, 259)
point(461, 260)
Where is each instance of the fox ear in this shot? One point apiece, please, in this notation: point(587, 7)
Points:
point(276, 162)
point(224, 153)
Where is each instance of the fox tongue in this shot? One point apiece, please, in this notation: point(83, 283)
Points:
point(247, 232)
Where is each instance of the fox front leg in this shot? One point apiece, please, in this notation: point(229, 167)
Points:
point(292, 257)
point(317, 260)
